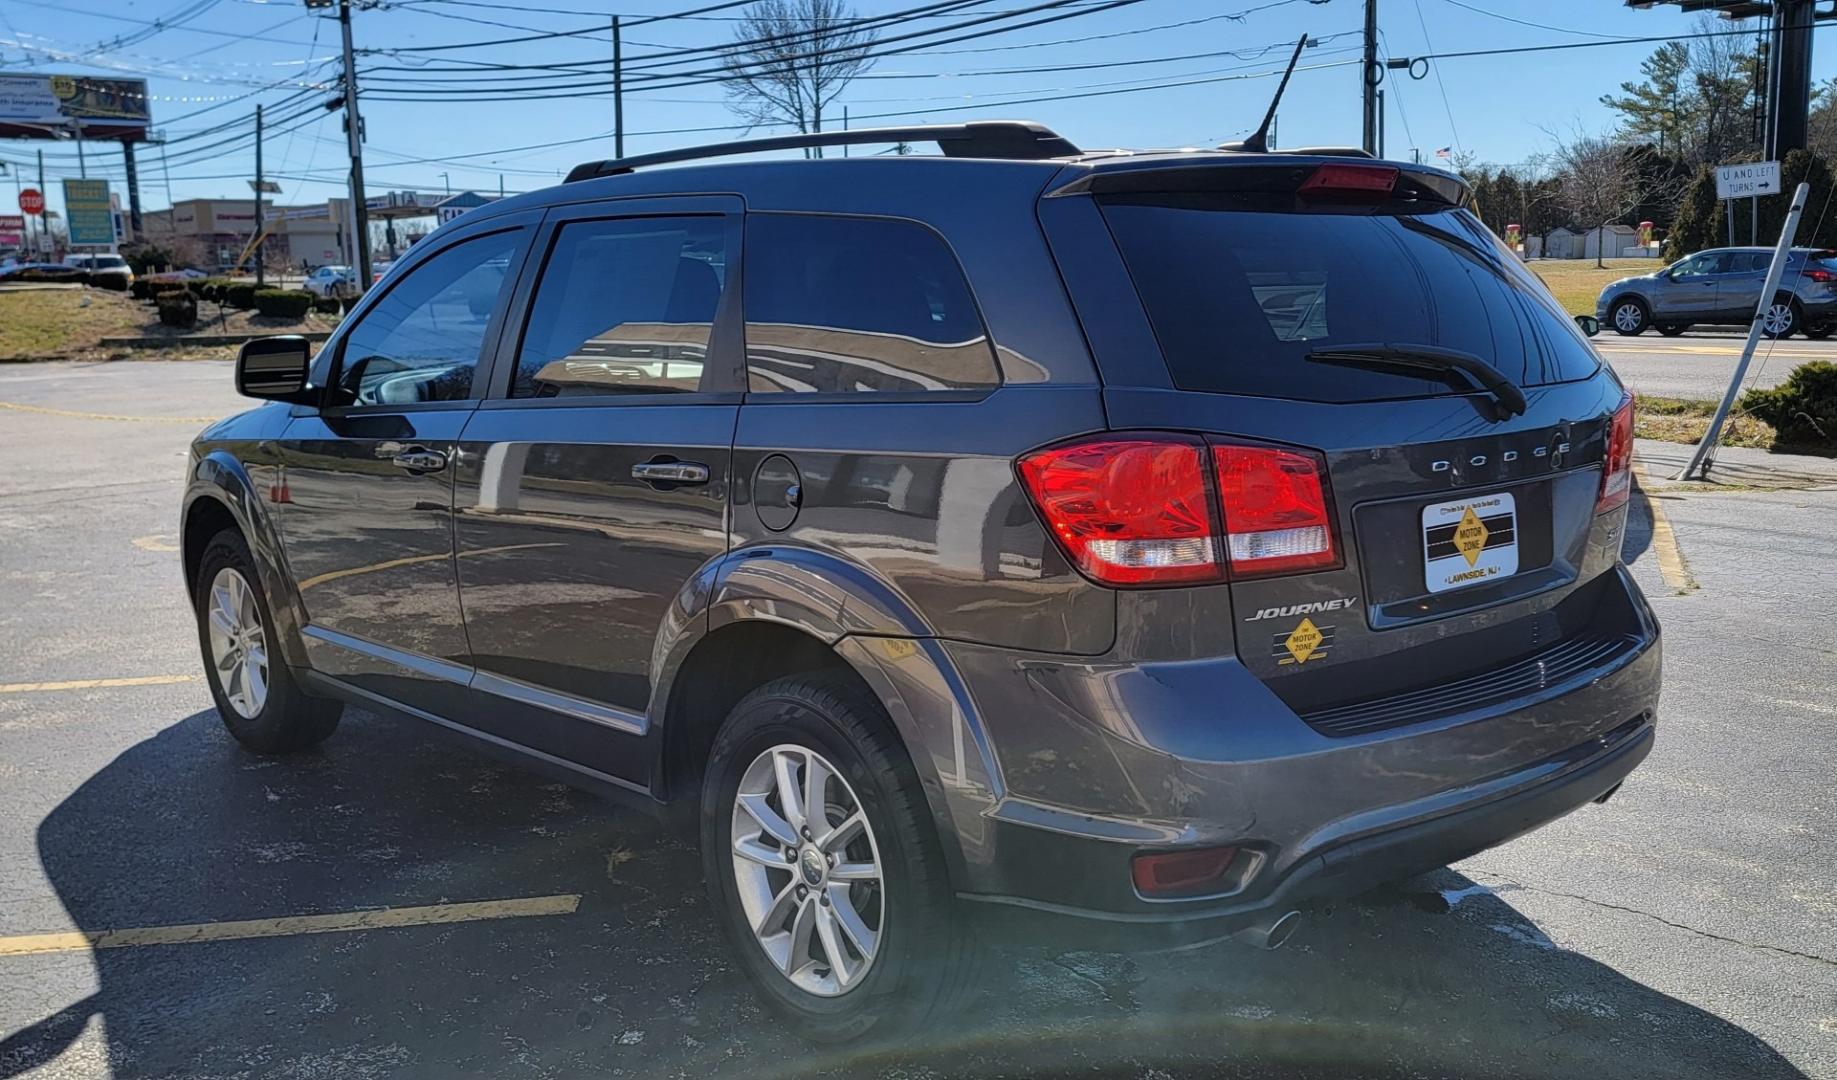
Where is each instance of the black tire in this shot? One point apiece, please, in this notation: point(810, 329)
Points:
point(924, 962)
point(1629, 316)
point(1795, 316)
point(289, 718)
point(1820, 331)
point(1673, 329)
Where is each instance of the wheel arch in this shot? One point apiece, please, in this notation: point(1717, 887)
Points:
point(785, 611)
point(220, 494)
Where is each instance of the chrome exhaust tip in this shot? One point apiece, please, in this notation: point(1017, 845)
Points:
point(1269, 932)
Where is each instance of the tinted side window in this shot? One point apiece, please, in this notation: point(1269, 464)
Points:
point(624, 306)
point(840, 304)
point(421, 342)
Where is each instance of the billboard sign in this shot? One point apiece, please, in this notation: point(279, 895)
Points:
point(88, 214)
point(12, 230)
point(59, 106)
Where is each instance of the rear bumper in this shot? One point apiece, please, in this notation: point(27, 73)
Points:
point(1348, 869)
point(1328, 817)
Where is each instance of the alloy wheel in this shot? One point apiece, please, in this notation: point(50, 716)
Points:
point(1628, 317)
point(808, 870)
point(238, 647)
point(1778, 320)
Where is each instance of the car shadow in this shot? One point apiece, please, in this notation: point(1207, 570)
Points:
point(184, 828)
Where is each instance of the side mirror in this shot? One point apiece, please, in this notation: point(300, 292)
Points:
point(275, 368)
point(1589, 324)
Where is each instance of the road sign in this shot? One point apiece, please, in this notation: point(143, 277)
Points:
point(32, 201)
point(1742, 181)
point(88, 215)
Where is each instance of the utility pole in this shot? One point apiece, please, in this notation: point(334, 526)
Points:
point(618, 91)
point(1369, 74)
point(353, 126)
point(133, 175)
point(261, 270)
point(44, 220)
point(1380, 123)
point(82, 166)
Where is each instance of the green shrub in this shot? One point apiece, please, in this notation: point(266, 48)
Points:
point(327, 305)
point(1803, 409)
point(178, 308)
point(283, 303)
point(239, 295)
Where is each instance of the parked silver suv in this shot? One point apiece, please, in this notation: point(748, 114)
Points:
point(1723, 285)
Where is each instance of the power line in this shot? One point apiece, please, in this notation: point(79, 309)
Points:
point(1440, 85)
point(724, 74)
point(1522, 22)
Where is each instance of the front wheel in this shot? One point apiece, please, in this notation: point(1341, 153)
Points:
point(1673, 329)
point(1782, 318)
point(823, 867)
point(1629, 317)
point(260, 703)
point(1820, 331)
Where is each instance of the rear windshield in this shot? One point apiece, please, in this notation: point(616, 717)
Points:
point(1239, 298)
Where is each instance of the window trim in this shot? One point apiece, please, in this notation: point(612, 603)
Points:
point(724, 374)
point(890, 397)
point(521, 224)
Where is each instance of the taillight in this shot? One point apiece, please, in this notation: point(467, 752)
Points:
point(1617, 464)
point(1351, 181)
point(1128, 511)
point(1138, 510)
point(1820, 275)
point(1275, 503)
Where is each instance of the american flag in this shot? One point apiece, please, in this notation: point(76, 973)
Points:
point(1444, 151)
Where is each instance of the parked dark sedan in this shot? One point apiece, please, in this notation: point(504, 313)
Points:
point(40, 271)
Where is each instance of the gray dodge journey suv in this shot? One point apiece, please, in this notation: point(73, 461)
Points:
point(1137, 544)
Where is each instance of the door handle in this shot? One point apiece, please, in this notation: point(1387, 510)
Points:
point(670, 472)
point(419, 459)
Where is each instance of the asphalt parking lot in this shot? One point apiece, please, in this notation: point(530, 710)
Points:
point(391, 906)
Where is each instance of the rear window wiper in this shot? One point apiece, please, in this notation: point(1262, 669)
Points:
point(1415, 359)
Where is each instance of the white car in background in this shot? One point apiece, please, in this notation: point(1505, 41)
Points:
point(339, 281)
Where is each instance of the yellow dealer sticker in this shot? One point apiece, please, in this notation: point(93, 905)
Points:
point(1305, 642)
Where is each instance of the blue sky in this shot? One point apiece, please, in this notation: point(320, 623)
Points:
point(1498, 107)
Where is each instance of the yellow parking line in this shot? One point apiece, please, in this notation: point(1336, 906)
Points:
point(91, 684)
point(108, 416)
point(288, 926)
point(1671, 567)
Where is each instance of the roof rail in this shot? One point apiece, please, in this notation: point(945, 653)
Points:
point(1021, 140)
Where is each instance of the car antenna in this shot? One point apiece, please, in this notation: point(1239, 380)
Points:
point(1258, 143)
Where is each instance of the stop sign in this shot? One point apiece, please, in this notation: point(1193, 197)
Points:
point(32, 201)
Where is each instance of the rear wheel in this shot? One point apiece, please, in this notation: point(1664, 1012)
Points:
point(1782, 318)
point(256, 695)
point(825, 872)
point(1629, 316)
point(1673, 329)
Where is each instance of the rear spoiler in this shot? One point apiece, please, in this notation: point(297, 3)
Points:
point(1273, 173)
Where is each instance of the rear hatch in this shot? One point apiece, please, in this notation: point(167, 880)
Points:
point(1345, 319)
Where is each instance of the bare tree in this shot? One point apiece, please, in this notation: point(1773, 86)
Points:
point(792, 58)
point(1599, 180)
